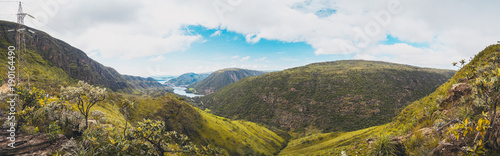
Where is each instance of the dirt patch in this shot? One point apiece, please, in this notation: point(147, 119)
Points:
point(31, 145)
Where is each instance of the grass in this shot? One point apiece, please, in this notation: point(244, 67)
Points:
point(235, 136)
point(243, 137)
point(329, 143)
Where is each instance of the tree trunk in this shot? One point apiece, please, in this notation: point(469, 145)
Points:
point(86, 122)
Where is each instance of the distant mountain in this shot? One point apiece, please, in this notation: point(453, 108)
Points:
point(221, 78)
point(163, 78)
point(54, 63)
point(329, 96)
point(186, 79)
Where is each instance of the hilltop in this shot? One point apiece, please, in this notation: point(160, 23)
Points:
point(221, 78)
point(186, 79)
point(329, 96)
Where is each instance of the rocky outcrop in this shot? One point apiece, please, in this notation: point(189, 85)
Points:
point(454, 94)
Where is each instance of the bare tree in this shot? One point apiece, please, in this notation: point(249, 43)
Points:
point(124, 106)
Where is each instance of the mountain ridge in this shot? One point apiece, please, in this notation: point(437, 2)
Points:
point(329, 96)
point(46, 53)
point(221, 78)
point(186, 79)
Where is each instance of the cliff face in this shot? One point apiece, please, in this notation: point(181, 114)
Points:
point(44, 50)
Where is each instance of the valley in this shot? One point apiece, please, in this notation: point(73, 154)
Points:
point(249, 78)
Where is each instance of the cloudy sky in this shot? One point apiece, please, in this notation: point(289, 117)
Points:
point(171, 37)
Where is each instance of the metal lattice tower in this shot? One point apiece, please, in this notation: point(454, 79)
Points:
point(23, 76)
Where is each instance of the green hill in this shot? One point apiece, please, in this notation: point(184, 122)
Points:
point(430, 125)
point(237, 137)
point(54, 63)
point(221, 78)
point(186, 79)
point(329, 96)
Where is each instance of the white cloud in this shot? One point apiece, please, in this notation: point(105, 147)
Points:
point(235, 57)
point(262, 59)
point(245, 58)
point(217, 33)
point(133, 29)
point(157, 59)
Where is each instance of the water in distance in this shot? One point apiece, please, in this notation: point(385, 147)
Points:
point(182, 91)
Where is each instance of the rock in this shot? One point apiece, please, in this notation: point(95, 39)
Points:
point(454, 94)
point(427, 132)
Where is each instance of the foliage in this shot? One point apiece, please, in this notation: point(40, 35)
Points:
point(330, 96)
point(423, 115)
point(149, 138)
point(383, 146)
point(54, 131)
point(332, 143)
point(28, 104)
point(158, 140)
point(237, 137)
point(85, 96)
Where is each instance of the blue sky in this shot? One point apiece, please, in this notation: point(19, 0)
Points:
point(156, 37)
point(219, 49)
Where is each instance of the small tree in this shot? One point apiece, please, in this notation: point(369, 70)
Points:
point(85, 96)
point(124, 106)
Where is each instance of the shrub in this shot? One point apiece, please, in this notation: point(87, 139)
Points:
point(383, 146)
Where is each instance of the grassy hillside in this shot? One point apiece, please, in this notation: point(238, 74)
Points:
point(221, 78)
point(186, 79)
point(54, 63)
point(329, 96)
point(428, 125)
point(237, 137)
point(329, 143)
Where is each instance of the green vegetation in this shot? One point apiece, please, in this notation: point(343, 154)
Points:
point(96, 127)
point(329, 143)
point(237, 137)
point(169, 122)
point(456, 119)
point(221, 78)
point(329, 96)
point(85, 96)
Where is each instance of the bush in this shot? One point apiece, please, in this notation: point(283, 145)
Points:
point(383, 146)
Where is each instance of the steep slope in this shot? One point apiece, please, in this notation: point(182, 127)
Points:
point(329, 96)
point(221, 78)
point(237, 137)
point(430, 126)
point(186, 79)
point(55, 62)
